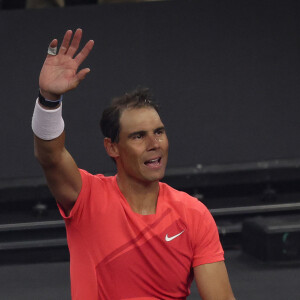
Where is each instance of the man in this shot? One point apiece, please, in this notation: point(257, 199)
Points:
point(129, 236)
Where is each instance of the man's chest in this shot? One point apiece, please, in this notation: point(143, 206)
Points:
point(143, 257)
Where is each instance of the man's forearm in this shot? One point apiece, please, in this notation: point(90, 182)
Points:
point(48, 153)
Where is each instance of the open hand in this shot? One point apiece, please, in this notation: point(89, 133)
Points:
point(59, 73)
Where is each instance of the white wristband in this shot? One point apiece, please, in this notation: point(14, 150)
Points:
point(47, 124)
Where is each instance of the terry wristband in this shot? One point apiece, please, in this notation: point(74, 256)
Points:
point(47, 124)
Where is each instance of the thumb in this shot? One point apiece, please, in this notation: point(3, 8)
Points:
point(82, 73)
point(78, 78)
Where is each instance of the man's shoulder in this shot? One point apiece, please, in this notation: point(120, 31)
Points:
point(169, 190)
point(181, 198)
point(96, 176)
point(96, 179)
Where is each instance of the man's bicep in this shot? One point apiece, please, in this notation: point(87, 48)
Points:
point(64, 181)
point(213, 282)
point(60, 169)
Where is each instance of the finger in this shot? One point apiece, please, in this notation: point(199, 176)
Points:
point(53, 45)
point(82, 55)
point(75, 43)
point(66, 42)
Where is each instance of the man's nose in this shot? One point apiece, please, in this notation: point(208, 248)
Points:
point(153, 142)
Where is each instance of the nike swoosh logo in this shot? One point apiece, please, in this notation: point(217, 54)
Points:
point(168, 239)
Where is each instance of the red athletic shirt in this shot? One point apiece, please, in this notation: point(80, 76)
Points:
point(116, 253)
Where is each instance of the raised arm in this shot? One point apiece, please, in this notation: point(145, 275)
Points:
point(59, 75)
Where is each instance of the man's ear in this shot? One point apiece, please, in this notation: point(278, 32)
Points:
point(111, 148)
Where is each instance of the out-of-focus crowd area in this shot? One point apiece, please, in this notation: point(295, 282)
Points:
point(33, 4)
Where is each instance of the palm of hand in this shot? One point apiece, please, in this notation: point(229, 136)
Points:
point(58, 74)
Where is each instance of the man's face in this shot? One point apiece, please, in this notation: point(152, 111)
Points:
point(143, 145)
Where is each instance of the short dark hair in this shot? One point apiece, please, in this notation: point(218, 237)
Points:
point(110, 121)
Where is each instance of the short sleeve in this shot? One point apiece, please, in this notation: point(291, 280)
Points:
point(207, 245)
point(83, 195)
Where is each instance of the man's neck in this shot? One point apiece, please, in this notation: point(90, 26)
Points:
point(142, 197)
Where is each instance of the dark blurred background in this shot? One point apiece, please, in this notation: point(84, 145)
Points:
point(226, 75)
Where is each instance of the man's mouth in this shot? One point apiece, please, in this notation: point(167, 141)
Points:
point(153, 163)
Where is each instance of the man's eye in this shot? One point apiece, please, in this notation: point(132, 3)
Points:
point(137, 136)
